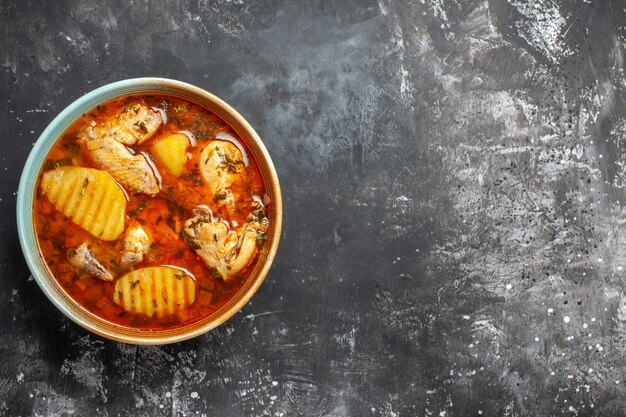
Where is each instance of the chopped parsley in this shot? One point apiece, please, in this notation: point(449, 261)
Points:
point(190, 242)
point(192, 175)
point(140, 207)
point(228, 163)
point(260, 239)
point(115, 266)
point(171, 222)
point(51, 164)
point(142, 126)
point(258, 216)
point(221, 196)
point(197, 222)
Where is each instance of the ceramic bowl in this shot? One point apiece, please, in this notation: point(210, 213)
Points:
point(26, 194)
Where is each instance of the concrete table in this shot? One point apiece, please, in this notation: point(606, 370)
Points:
point(455, 224)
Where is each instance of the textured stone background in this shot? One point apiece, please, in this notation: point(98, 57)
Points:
point(453, 175)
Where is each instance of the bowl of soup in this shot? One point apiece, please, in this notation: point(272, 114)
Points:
point(149, 211)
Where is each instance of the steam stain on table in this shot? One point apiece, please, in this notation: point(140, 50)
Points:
point(453, 176)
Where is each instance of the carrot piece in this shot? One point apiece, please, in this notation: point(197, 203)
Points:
point(184, 315)
point(204, 297)
point(46, 207)
point(108, 309)
point(102, 302)
point(93, 293)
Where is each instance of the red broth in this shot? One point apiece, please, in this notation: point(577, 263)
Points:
point(161, 216)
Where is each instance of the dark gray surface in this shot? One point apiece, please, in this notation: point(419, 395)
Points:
point(453, 175)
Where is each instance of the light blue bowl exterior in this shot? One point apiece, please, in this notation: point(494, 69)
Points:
point(26, 192)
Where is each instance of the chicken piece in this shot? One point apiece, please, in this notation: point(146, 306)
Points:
point(84, 259)
point(136, 244)
point(90, 197)
point(159, 291)
point(134, 125)
point(224, 250)
point(221, 164)
point(134, 171)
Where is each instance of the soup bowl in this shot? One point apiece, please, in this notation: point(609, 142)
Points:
point(27, 190)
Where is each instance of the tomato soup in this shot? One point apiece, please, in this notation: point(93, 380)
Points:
point(150, 212)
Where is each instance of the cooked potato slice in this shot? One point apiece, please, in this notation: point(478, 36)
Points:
point(159, 290)
point(171, 152)
point(90, 197)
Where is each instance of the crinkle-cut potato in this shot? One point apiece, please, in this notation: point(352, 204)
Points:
point(156, 290)
point(171, 152)
point(90, 197)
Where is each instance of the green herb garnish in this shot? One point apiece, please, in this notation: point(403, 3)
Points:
point(48, 165)
point(229, 164)
point(260, 239)
point(63, 162)
point(190, 242)
point(258, 216)
point(52, 164)
point(140, 207)
point(171, 223)
point(142, 126)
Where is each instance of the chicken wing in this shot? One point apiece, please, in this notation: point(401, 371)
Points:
point(224, 250)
